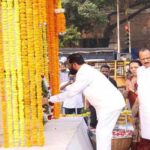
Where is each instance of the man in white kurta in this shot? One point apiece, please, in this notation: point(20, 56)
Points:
point(101, 93)
point(143, 80)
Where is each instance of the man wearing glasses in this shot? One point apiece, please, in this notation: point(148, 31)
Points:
point(143, 80)
point(99, 92)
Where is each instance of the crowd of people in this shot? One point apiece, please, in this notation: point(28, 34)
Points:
point(99, 89)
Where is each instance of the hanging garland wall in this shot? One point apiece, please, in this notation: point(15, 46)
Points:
point(28, 50)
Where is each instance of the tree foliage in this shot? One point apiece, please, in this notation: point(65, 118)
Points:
point(71, 38)
point(87, 15)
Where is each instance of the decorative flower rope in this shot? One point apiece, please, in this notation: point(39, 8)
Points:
point(7, 81)
point(24, 23)
point(53, 52)
point(39, 69)
point(28, 42)
point(2, 81)
point(19, 137)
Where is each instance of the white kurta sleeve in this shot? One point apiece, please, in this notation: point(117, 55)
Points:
point(77, 87)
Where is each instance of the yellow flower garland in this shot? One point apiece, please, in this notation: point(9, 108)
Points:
point(19, 139)
point(25, 72)
point(39, 68)
point(7, 75)
point(2, 88)
point(24, 58)
point(44, 36)
point(31, 64)
point(12, 55)
point(5, 22)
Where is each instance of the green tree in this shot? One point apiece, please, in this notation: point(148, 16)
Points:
point(85, 14)
point(88, 15)
point(71, 38)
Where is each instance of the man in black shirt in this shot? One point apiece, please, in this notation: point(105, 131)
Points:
point(105, 69)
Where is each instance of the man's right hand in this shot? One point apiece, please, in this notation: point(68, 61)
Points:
point(44, 101)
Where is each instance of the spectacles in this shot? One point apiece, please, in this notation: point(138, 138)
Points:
point(147, 58)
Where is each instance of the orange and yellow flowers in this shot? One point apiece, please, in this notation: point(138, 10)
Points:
point(28, 43)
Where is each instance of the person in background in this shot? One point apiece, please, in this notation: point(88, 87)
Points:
point(72, 105)
point(99, 92)
point(131, 95)
point(143, 81)
point(63, 72)
point(105, 69)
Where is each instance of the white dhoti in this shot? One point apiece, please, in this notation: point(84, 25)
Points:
point(145, 123)
point(106, 123)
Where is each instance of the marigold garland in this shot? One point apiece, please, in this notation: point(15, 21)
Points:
point(44, 37)
point(45, 52)
point(6, 19)
point(60, 18)
point(31, 63)
point(14, 134)
point(2, 88)
point(38, 67)
point(24, 59)
point(19, 95)
point(53, 52)
point(25, 72)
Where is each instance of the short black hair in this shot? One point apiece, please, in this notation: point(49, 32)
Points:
point(76, 58)
point(135, 61)
point(105, 66)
